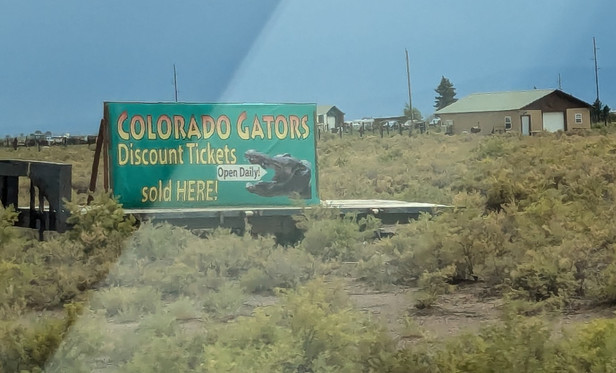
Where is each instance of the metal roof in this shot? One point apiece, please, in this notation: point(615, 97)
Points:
point(495, 101)
point(325, 109)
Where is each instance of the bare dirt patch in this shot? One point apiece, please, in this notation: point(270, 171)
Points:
point(463, 311)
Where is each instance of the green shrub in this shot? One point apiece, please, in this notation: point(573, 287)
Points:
point(230, 254)
point(541, 277)
point(492, 148)
point(590, 348)
point(313, 330)
point(282, 267)
point(8, 217)
point(100, 227)
point(455, 238)
point(183, 308)
point(377, 270)
point(170, 279)
point(127, 303)
point(289, 267)
point(158, 242)
point(47, 274)
point(161, 324)
point(605, 290)
point(26, 346)
point(224, 302)
point(162, 354)
point(17, 278)
point(517, 345)
point(255, 280)
point(258, 344)
point(331, 237)
point(85, 341)
point(434, 284)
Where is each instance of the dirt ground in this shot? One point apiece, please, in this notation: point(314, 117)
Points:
point(462, 311)
point(465, 310)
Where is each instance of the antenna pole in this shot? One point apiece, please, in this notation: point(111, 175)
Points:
point(175, 83)
point(408, 81)
point(594, 47)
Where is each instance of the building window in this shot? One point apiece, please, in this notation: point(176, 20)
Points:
point(507, 123)
point(320, 119)
point(578, 118)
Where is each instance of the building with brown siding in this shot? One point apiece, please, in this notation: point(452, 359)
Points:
point(525, 112)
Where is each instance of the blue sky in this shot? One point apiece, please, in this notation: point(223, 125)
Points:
point(61, 60)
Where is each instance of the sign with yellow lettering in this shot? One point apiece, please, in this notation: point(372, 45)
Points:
point(184, 155)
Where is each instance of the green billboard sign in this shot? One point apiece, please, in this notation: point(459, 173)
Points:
point(185, 155)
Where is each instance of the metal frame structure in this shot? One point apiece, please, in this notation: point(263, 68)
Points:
point(53, 181)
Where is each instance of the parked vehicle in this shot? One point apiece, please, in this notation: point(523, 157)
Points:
point(392, 124)
point(367, 123)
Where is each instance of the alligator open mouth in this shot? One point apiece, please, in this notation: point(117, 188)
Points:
point(291, 175)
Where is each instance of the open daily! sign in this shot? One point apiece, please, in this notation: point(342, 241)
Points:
point(184, 155)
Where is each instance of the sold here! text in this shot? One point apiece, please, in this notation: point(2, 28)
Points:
point(181, 191)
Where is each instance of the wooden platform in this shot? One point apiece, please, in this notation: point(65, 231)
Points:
point(279, 219)
point(370, 206)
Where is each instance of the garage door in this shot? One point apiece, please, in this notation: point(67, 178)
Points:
point(553, 122)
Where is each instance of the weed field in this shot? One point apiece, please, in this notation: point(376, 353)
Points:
point(519, 275)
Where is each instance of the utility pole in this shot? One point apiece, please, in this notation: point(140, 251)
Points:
point(408, 81)
point(594, 47)
point(175, 83)
point(560, 87)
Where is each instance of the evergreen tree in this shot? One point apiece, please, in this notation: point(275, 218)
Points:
point(595, 111)
point(605, 113)
point(599, 112)
point(446, 94)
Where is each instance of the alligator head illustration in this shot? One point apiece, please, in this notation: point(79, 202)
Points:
point(291, 175)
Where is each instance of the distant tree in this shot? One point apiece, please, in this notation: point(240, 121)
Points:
point(599, 112)
point(416, 113)
point(446, 94)
point(595, 111)
point(605, 114)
